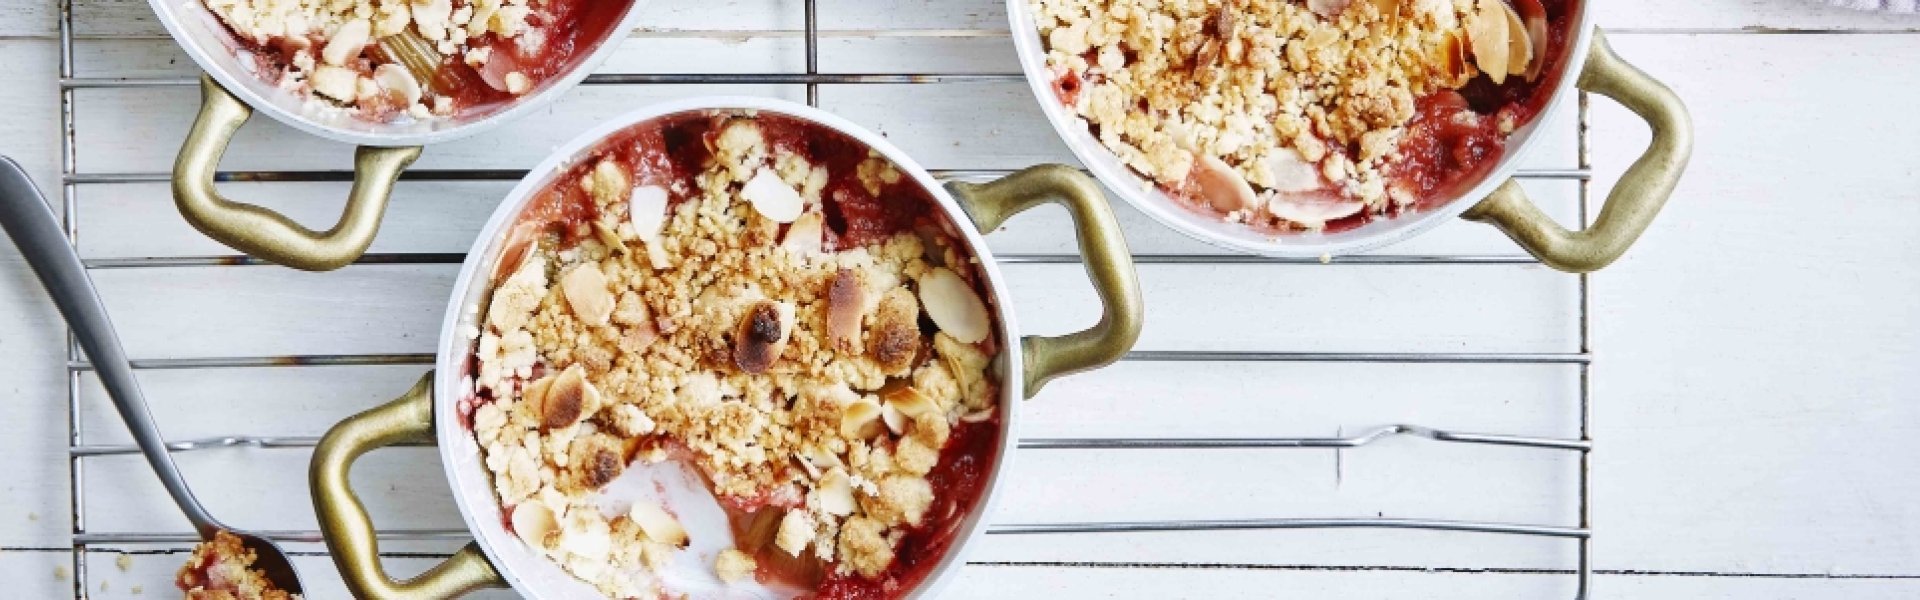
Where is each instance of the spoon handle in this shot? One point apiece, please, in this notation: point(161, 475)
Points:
point(36, 232)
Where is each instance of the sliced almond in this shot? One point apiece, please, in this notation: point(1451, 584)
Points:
point(1328, 9)
point(896, 422)
point(1519, 44)
point(1487, 29)
point(397, 80)
point(762, 335)
point(1534, 14)
point(647, 211)
point(334, 82)
point(953, 305)
point(585, 288)
point(569, 400)
point(1290, 173)
point(533, 522)
point(658, 524)
point(347, 42)
point(773, 198)
point(1220, 186)
point(519, 245)
point(1313, 212)
point(846, 306)
point(535, 393)
point(893, 333)
point(908, 401)
point(805, 235)
point(836, 493)
point(861, 420)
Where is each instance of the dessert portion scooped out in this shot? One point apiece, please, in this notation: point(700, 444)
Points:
point(763, 303)
point(222, 569)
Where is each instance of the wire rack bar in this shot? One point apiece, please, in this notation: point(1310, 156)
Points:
point(336, 175)
point(1311, 443)
point(70, 82)
point(335, 360)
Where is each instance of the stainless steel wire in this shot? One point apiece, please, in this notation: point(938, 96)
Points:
point(86, 540)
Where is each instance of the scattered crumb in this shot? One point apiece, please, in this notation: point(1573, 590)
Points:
point(124, 561)
point(103, 586)
point(733, 565)
point(137, 590)
point(33, 516)
point(59, 572)
point(1326, 258)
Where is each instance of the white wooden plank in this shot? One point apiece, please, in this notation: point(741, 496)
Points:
point(1759, 345)
point(33, 499)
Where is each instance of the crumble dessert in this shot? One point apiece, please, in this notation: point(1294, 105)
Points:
point(1305, 115)
point(385, 60)
point(767, 302)
point(222, 569)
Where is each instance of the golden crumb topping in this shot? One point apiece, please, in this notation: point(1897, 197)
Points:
point(797, 377)
point(1242, 103)
point(222, 569)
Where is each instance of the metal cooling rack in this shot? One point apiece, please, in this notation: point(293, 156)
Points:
point(1580, 533)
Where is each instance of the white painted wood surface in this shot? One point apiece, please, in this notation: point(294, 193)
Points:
point(1757, 356)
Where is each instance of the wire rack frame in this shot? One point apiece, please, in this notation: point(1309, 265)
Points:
point(1581, 534)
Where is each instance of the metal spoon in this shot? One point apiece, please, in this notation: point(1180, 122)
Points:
point(30, 222)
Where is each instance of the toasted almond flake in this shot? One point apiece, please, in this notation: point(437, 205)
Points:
point(908, 401)
point(1535, 16)
point(1328, 8)
point(347, 42)
point(657, 523)
point(773, 198)
point(1487, 29)
point(396, 79)
point(585, 288)
point(1219, 185)
point(861, 420)
point(953, 306)
point(1519, 44)
point(1313, 212)
point(893, 332)
point(647, 211)
point(896, 422)
point(846, 306)
point(805, 234)
point(762, 335)
point(978, 416)
point(1291, 173)
point(569, 399)
point(334, 82)
point(836, 493)
point(533, 522)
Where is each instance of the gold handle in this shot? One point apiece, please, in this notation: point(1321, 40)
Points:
point(1107, 260)
point(264, 233)
point(1634, 201)
point(344, 522)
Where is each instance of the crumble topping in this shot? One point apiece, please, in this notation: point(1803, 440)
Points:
point(222, 569)
point(710, 319)
point(1273, 109)
point(326, 45)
